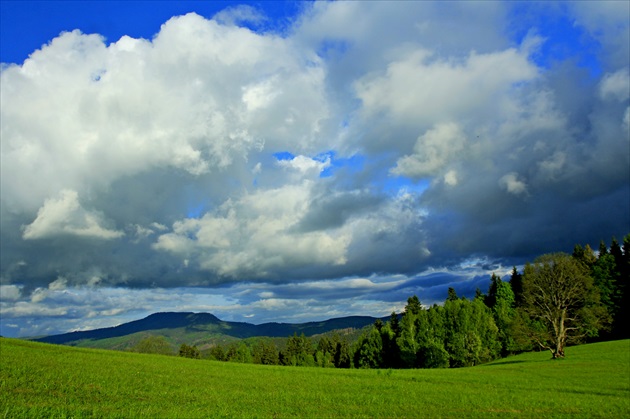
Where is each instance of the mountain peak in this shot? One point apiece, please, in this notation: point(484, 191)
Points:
point(160, 323)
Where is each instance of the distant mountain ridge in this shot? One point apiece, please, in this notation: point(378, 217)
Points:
point(206, 322)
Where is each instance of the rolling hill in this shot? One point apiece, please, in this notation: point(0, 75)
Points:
point(197, 328)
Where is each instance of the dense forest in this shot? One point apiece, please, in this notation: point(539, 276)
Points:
point(558, 299)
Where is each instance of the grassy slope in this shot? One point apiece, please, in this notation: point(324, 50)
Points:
point(39, 380)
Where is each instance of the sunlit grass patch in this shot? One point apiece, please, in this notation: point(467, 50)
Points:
point(39, 380)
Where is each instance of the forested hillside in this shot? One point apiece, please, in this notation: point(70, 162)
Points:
point(196, 329)
point(558, 300)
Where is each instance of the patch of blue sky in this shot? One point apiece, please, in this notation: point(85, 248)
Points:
point(195, 211)
point(113, 19)
point(278, 16)
point(563, 38)
point(354, 163)
point(196, 204)
point(284, 155)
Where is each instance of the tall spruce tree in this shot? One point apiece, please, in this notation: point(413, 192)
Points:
point(516, 282)
point(617, 254)
point(343, 354)
point(491, 297)
point(603, 249)
point(621, 326)
point(451, 295)
point(394, 323)
point(604, 273)
point(584, 255)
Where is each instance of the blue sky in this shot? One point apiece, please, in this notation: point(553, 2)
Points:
point(27, 25)
point(297, 161)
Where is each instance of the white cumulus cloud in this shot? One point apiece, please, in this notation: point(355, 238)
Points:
point(65, 215)
point(616, 85)
point(432, 152)
point(514, 184)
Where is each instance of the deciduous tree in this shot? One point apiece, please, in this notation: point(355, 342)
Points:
point(471, 334)
point(189, 351)
point(265, 352)
point(153, 345)
point(299, 351)
point(561, 302)
point(502, 305)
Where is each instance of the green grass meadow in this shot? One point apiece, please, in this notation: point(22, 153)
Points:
point(40, 380)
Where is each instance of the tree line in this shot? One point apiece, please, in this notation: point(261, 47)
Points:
point(557, 300)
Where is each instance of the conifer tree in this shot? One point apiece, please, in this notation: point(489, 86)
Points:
point(452, 295)
point(584, 255)
point(491, 298)
point(617, 254)
point(603, 250)
point(394, 324)
point(621, 326)
point(343, 355)
point(516, 282)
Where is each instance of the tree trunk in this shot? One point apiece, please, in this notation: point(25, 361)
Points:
point(559, 346)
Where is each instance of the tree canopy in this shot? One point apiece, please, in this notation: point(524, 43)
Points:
point(558, 300)
point(561, 302)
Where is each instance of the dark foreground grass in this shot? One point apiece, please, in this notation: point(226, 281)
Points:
point(39, 380)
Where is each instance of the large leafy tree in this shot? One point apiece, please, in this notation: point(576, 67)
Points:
point(407, 341)
point(431, 336)
point(239, 352)
point(369, 350)
point(153, 345)
point(561, 303)
point(420, 340)
point(189, 351)
point(471, 333)
point(265, 352)
point(299, 351)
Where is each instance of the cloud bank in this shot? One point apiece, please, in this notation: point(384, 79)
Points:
point(369, 152)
